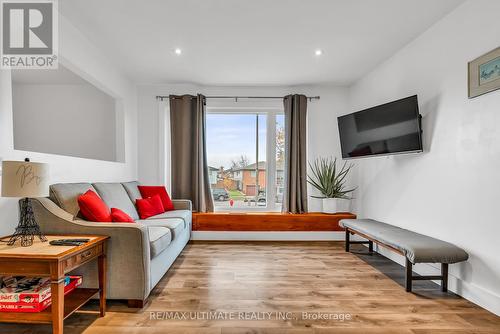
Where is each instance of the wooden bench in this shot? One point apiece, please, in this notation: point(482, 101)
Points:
point(415, 247)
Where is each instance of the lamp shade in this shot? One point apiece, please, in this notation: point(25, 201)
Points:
point(25, 179)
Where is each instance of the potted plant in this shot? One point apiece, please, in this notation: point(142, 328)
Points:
point(330, 181)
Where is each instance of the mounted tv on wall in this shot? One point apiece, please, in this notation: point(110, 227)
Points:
point(391, 128)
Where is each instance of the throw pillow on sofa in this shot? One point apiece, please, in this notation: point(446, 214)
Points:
point(93, 208)
point(118, 216)
point(150, 191)
point(148, 207)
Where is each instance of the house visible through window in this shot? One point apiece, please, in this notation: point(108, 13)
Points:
point(245, 152)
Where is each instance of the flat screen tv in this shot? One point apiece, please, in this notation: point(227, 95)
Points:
point(390, 128)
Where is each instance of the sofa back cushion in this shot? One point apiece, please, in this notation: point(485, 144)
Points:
point(132, 189)
point(115, 196)
point(65, 195)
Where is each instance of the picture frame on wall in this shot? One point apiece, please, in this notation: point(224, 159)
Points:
point(484, 73)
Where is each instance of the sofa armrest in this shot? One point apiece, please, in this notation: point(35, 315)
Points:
point(128, 249)
point(182, 204)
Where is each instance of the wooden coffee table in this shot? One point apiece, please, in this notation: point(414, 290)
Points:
point(42, 259)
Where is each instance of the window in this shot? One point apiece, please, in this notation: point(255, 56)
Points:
point(246, 149)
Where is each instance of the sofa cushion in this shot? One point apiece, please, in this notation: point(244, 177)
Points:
point(175, 225)
point(93, 208)
point(132, 189)
point(150, 191)
point(115, 196)
point(185, 215)
point(159, 239)
point(149, 207)
point(118, 216)
point(65, 195)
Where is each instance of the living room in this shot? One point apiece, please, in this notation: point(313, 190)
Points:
point(200, 154)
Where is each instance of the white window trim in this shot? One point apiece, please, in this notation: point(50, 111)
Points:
point(164, 145)
point(271, 161)
point(271, 112)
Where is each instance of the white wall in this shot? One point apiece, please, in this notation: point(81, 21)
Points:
point(80, 56)
point(451, 191)
point(322, 122)
point(45, 116)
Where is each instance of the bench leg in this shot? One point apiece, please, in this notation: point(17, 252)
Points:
point(370, 247)
point(347, 235)
point(444, 277)
point(409, 275)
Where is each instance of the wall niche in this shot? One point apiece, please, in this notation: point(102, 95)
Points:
point(59, 112)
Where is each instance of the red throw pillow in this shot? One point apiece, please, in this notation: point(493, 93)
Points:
point(149, 207)
point(118, 216)
point(93, 207)
point(150, 191)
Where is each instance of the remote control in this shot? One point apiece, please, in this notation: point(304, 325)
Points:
point(76, 240)
point(63, 242)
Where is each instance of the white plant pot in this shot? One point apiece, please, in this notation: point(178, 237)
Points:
point(334, 205)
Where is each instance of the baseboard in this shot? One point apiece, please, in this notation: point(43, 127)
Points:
point(476, 294)
point(268, 236)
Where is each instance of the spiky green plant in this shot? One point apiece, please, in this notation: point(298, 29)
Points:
point(328, 178)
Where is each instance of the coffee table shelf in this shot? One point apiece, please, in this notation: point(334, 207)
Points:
point(72, 302)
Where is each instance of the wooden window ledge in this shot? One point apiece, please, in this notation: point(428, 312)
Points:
point(268, 221)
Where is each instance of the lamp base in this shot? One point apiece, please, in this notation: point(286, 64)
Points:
point(28, 227)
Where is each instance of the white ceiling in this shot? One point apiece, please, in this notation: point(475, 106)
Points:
point(252, 42)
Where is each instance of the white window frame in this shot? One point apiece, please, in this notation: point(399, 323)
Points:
point(271, 113)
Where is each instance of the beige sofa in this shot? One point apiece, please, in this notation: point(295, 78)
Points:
point(138, 254)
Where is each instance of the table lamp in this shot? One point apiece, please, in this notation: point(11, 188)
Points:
point(25, 179)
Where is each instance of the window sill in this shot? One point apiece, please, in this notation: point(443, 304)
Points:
point(268, 221)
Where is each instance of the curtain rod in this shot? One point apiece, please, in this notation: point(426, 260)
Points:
point(310, 98)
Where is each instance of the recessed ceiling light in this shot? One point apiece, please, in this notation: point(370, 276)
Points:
point(318, 52)
point(178, 51)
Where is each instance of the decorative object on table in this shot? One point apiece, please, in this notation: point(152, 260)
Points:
point(330, 180)
point(25, 179)
point(484, 73)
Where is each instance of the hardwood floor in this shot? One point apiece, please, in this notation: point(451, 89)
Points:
point(267, 279)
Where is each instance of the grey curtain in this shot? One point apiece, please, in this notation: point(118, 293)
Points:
point(188, 151)
point(295, 196)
